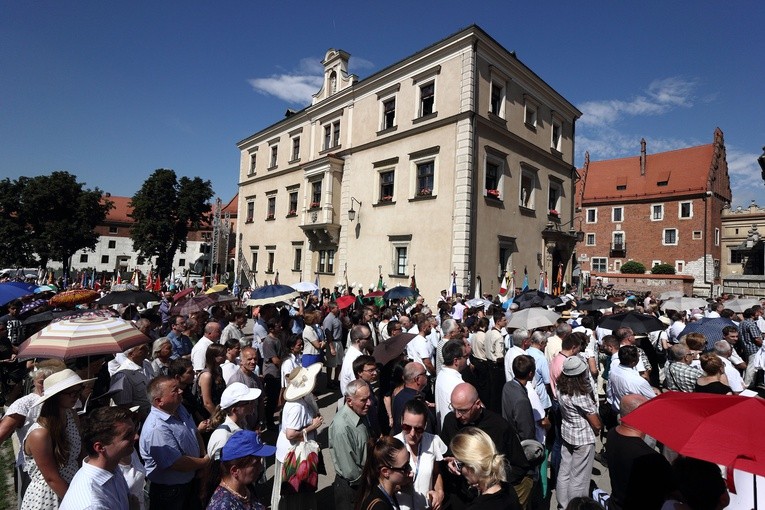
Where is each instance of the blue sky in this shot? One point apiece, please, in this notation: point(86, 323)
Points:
point(110, 91)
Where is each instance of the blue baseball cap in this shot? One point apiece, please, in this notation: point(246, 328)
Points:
point(244, 443)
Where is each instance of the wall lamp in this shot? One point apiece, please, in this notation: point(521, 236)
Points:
point(351, 212)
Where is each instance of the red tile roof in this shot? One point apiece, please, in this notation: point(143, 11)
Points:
point(684, 171)
point(119, 213)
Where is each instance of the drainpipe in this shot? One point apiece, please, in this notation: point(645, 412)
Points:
point(707, 195)
point(474, 177)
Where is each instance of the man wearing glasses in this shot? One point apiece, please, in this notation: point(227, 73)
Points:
point(467, 410)
point(679, 374)
point(360, 338)
point(415, 379)
point(181, 343)
point(365, 368)
point(449, 376)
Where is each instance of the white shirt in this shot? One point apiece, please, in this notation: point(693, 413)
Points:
point(198, 353)
point(431, 450)
point(512, 353)
point(735, 381)
point(93, 488)
point(288, 365)
point(135, 476)
point(446, 380)
point(229, 368)
point(419, 349)
point(24, 406)
point(219, 437)
point(346, 372)
point(296, 415)
point(624, 381)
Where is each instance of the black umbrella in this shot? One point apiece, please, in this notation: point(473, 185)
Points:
point(398, 292)
point(392, 347)
point(532, 298)
point(640, 323)
point(595, 304)
point(126, 297)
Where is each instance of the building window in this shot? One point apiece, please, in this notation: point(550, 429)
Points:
point(696, 234)
point(112, 230)
point(104, 259)
point(254, 264)
point(736, 256)
point(83, 258)
point(250, 211)
point(590, 239)
point(679, 266)
point(326, 261)
point(253, 162)
point(389, 113)
point(655, 263)
point(530, 116)
point(554, 194)
point(599, 264)
point(427, 98)
point(400, 262)
point(425, 178)
point(557, 134)
point(657, 212)
point(386, 186)
point(293, 203)
point(182, 249)
point(527, 188)
point(618, 240)
point(271, 213)
point(617, 265)
point(296, 148)
point(271, 257)
point(112, 244)
point(685, 210)
point(717, 237)
point(592, 216)
point(493, 180)
point(617, 214)
point(182, 262)
point(274, 155)
point(497, 98)
point(332, 135)
point(670, 236)
point(297, 262)
point(315, 195)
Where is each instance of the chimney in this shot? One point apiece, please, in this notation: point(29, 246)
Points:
point(642, 156)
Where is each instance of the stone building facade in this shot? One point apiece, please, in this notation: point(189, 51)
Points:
point(453, 160)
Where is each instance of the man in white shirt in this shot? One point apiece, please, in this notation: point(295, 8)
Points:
point(107, 435)
point(198, 352)
point(131, 381)
point(360, 337)
point(449, 376)
point(459, 309)
point(234, 328)
point(723, 351)
point(420, 349)
point(520, 343)
point(625, 380)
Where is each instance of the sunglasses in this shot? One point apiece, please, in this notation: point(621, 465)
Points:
point(405, 469)
point(408, 428)
point(459, 465)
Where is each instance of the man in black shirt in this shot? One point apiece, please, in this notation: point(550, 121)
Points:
point(415, 379)
point(469, 411)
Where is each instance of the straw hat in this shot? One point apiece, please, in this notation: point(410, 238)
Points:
point(302, 382)
point(60, 381)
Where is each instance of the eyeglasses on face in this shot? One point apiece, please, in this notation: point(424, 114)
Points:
point(408, 428)
point(405, 469)
point(461, 412)
point(459, 465)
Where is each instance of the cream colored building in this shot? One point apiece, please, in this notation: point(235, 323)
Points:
point(743, 231)
point(456, 159)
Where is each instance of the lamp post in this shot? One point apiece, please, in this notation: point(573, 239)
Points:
point(351, 211)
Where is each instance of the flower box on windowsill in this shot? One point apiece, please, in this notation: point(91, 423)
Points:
point(492, 193)
point(425, 192)
point(269, 217)
point(314, 205)
point(292, 213)
point(386, 198)
point(553, 212)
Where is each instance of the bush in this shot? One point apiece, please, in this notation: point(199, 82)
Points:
point(633, 267)
point(663, 269)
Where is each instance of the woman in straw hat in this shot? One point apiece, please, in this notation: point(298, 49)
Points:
point(300, 416)
point(52, 445)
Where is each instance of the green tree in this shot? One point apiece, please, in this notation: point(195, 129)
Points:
point(633, 267)
point(663, 269)
point(15, 250)
point(164, 210)
point(59, 215)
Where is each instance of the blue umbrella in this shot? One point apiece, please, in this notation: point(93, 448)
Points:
point(711, 328)
point(398, 292)
point(268, 294)
point(28, 287)
point(9, 292)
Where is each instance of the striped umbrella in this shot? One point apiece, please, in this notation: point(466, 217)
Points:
point(82, 336)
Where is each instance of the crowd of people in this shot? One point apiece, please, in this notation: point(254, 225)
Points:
point(464, 413)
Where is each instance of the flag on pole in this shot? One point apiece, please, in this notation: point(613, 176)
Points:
point(508, 299)
point(317, 292)
point(150, 279)
point(503, 285)
point(136, 280)
point(119, 276)
point(157, 282)
point(276, 279)
point(525, 285)
point(413, 285)
point(559, 280)
point(453, 285)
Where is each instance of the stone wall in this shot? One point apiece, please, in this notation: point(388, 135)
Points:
point(751, 285)
point(642, 283)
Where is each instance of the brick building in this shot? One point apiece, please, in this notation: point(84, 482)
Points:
point(656, 208)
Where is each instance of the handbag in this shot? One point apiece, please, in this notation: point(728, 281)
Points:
point(300, 469)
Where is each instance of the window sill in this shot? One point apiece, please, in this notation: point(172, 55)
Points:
point(555, 152)
point(291, 215)
point(554, 217)
point(249, 221)
point(399, 276)
point(292, 162)
point(270, 218)
point(387, 130)
point(251, 174)
point(269, 272)
point(531, 126)
point(325, 272)
point(382, 203)
point(422, 197)
point(425, 117)
point(296, 270)
point(494, 201)
point(330, 149)
point(314, 209)
point(497, 119)
point(272, 167)
point(526, 211)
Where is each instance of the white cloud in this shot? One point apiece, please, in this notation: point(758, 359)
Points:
point(745, 177)
point(608, 143)
point(356, 63)
point(660, 97)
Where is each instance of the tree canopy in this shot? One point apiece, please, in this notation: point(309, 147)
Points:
point(48, 217)
point(164, 210)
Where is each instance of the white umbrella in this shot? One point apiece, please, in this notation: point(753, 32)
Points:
point(670, 294)
point(684, 303)
point(476, 302)
point(738, 305)
point(305, 287)
point(532, 318)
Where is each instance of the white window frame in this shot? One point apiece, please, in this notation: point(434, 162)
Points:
point(501, 83)
point(717, 236)
point(615, 233)
point(253, 162)
point(297, 267)
point(680, 210)
point(530, 109)
point(420, 158)
point(271, 206)
point(295, 155)
point(617, 265)
point(613, 214)
point(664, 237)
point(650, 212)
point(655, 263)
point(395, 245)
point(249, 218)
point(679, 266)
point(333, 128)
point(381, 171)
point(556, 124)
point(592, 264)
point(532, 174)
point(500, 163)
point(383, 101)
point(291, 192)
point(274, 156)
point(587, 215)
point(587, 239)
point(554, 183)
point(696, 237)
point(420, 104)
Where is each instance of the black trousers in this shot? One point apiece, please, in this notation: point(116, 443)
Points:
point(272, 387)
point(173, 497)
point(345, 494)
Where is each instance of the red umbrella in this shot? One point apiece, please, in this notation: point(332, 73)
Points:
point(182, 294)
point(724, 429)
point(376, 293)
point(344, 302)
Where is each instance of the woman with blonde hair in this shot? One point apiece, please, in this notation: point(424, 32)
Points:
point(476, 458)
